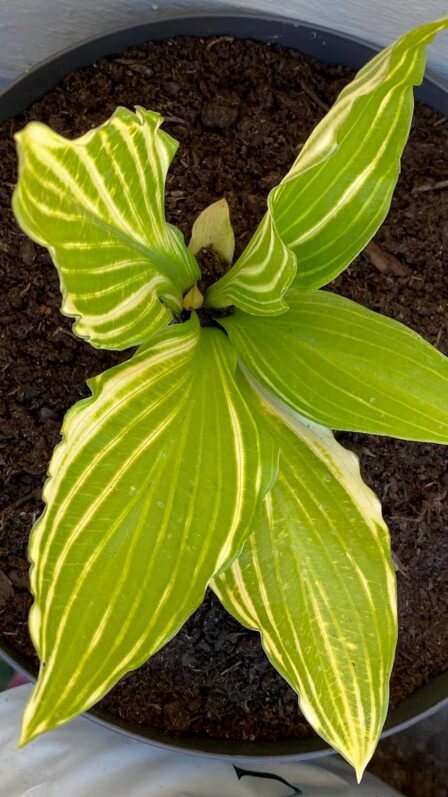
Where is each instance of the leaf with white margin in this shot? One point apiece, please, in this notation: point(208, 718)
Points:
point(152, 490)
point(347, 367)
point(261, 276)
point(97, 203)
point(315, 578)
point(340, 187)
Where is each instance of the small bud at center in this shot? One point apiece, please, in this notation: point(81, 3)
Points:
point(193, 299)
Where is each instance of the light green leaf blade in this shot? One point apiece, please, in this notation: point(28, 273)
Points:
point(151, 491)
point(260, 278)
point(316, 579)
point(347, 367)
point(97, 203)
point(340, 187)
point(213, 230)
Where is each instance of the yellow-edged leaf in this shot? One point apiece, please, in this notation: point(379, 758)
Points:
point(347, 367)
point(97, 203)
point(339, 189)
point(151, 491)
point(315, 578)
point(259, 279)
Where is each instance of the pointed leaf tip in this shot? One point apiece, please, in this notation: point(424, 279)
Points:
point(31, 727)
point(317, 568)
point(347, 367)
point(124, 533)
point(339, 189)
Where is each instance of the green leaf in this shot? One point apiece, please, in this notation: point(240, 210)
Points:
point(213, 230)
point(97, 203)
point(340, 187)
point(347, 367)
point(316, 579)
point(151, 491)
point(260, 277)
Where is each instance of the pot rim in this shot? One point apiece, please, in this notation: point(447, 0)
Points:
point(326, 45)
point(317, 41)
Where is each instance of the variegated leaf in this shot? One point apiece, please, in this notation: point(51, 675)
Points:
point(316, 579)
point(260, 277)
point(151, 491)
point(347, 367)
point(340, 187)
point(97, 203)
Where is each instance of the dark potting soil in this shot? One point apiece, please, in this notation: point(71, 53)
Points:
point(241, 111)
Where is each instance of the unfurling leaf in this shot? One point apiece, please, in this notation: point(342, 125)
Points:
point(339, 189)
point(315, 577)
point(213, 230)
point(97, 203)
point(151, 491)
point(260, 278)
point(347, 367)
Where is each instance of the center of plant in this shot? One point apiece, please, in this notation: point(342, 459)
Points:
point(213, 267)
point(208, 315)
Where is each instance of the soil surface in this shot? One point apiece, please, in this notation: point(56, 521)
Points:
point(241, 112)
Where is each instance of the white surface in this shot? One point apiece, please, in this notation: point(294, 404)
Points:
point(30, 30)
point(86, 760)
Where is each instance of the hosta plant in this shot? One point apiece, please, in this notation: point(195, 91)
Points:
point(206, 459)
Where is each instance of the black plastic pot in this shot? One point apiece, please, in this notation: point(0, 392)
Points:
point(331, 48)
